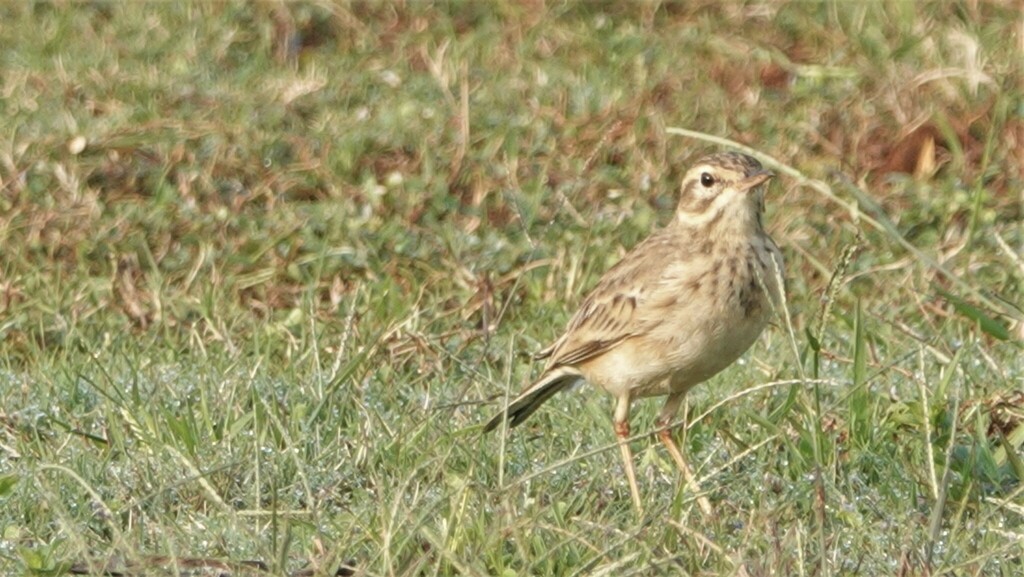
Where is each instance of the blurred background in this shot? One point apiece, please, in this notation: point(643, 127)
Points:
point(263, 266)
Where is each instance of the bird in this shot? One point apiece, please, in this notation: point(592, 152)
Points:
point(677, 309)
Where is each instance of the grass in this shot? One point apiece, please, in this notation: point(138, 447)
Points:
point(267, 267)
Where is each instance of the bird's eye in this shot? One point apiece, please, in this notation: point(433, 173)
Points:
point(707, 180)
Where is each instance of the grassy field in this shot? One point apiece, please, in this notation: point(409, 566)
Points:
point(266, 268)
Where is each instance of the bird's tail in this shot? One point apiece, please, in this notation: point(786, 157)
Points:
point(532, 398)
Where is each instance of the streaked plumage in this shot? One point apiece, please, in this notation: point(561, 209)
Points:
point(677, 309)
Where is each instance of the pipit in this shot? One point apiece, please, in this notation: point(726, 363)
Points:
point(677, 309)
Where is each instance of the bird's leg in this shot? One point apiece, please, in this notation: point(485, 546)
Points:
point(665, 434)
point(621, 421)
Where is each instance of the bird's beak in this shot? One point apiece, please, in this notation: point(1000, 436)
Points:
point(753, 181)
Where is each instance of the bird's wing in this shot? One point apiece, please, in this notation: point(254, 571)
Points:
point(623, 303)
